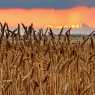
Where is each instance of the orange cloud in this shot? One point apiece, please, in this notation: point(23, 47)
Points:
point(49, 17)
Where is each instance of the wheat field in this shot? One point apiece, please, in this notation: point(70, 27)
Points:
point(41, 64)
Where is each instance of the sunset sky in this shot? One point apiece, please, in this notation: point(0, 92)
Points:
point(48, 12)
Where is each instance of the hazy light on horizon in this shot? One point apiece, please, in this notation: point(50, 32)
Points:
point(52, 17)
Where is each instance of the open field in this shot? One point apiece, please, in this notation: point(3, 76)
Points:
point(37, 64)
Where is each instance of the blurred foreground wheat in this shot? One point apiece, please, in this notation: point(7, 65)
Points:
point(41, 64)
